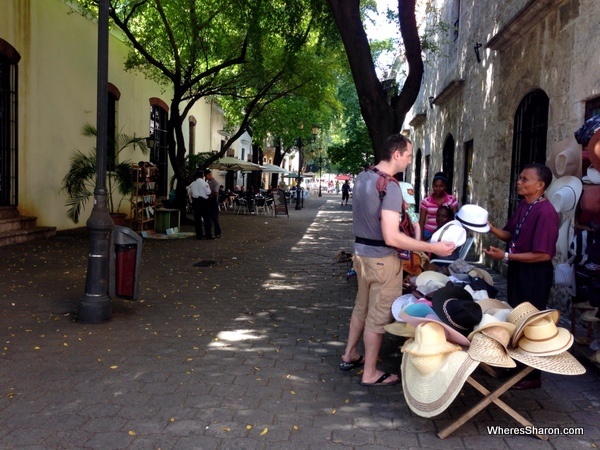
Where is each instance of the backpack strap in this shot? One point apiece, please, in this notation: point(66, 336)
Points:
point(383, 181)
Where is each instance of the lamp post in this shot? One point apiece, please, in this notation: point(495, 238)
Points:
point(320, 169)
point(299, 143)
point(94, 306)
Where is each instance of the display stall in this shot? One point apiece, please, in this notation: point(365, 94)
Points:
point(575, 194)
point(454, 330)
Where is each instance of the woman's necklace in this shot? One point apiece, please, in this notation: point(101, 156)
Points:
point(511, 247)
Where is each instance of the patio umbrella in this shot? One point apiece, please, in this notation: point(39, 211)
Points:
point(231, 163)
point(271, 168)
point(342, 177)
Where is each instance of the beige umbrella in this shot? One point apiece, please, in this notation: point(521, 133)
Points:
point(271, 168)
point(231, 163)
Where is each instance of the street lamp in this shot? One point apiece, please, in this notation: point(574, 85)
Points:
point(299, 143)
point(320, 169)
point(94, 306)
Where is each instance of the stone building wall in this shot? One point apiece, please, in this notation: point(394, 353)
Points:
point(550, 45)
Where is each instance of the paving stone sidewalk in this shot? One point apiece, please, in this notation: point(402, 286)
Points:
point(240, 355)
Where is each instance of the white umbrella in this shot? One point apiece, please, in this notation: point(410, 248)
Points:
point(231, 163)
point(271, 168)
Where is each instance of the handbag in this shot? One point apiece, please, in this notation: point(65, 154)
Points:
point(406, 226)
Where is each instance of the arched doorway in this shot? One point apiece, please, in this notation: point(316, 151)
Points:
point(529, 138)
point(448, 161)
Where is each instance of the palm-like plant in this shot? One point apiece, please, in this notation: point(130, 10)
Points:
point(79, 183)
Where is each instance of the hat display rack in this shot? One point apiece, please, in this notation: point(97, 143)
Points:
point(452, 334)
point(575, 195)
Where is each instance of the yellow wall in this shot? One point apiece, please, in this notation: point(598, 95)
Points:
point(57, 95)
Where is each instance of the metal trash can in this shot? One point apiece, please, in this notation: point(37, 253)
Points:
point(125, 260)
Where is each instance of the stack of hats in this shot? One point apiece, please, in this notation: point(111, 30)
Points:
point(450, 335)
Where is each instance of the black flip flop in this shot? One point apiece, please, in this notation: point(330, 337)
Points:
point(380, 381)
point(352, 365)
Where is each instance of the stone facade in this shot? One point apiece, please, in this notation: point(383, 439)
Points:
point(546, 45)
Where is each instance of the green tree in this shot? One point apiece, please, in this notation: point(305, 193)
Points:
point(246, 51)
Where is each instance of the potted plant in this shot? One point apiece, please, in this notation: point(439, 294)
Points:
point(79, 183)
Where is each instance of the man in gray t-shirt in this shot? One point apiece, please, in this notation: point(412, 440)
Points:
point(378, 269)
point(365, 212)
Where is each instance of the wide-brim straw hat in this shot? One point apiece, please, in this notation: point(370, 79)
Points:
point(431, 275)
point(481, 273)
point(562, 364)
point(526, 313)
point(566, 158)
point(430, 340)
point(473, 217)
point(543, 338)
point(451, 334)
point(564, 194)
point(431, 383)
point(487, 304)
point(400, 329)
point(489, 320)
point(487, 350)
point(452, 231)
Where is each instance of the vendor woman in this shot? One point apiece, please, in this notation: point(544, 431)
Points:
point(530, 234)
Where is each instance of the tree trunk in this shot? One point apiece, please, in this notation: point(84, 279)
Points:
point(381, 118)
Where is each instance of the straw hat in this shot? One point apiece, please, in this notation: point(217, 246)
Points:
point(431, 383)
point(489, 320)
point(499, 334)
point(488, 350)
point(491, 303)
point(526, 313)
point(400, 329)
point(481, 273)
point(543, 338)
point(564, 194)
point(563, 364)
point(456, 308)
point(566, 158)
point(416, 315)
point(452, 231)
point(474, 218)
point(431, 275)
point(432, 341)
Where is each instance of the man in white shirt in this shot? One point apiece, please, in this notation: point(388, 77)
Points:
point(200, 192)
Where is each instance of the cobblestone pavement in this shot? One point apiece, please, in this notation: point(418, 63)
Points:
point(240, 355)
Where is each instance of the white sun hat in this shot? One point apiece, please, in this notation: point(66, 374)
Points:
point(474, 218)
point(564, 193)
point(453, 231)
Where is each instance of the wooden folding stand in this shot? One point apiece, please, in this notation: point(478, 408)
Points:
point(491, 397)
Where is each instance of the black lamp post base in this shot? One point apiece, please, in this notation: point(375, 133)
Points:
point(94, 309)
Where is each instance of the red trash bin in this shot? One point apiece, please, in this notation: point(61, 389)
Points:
point(125, 261)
